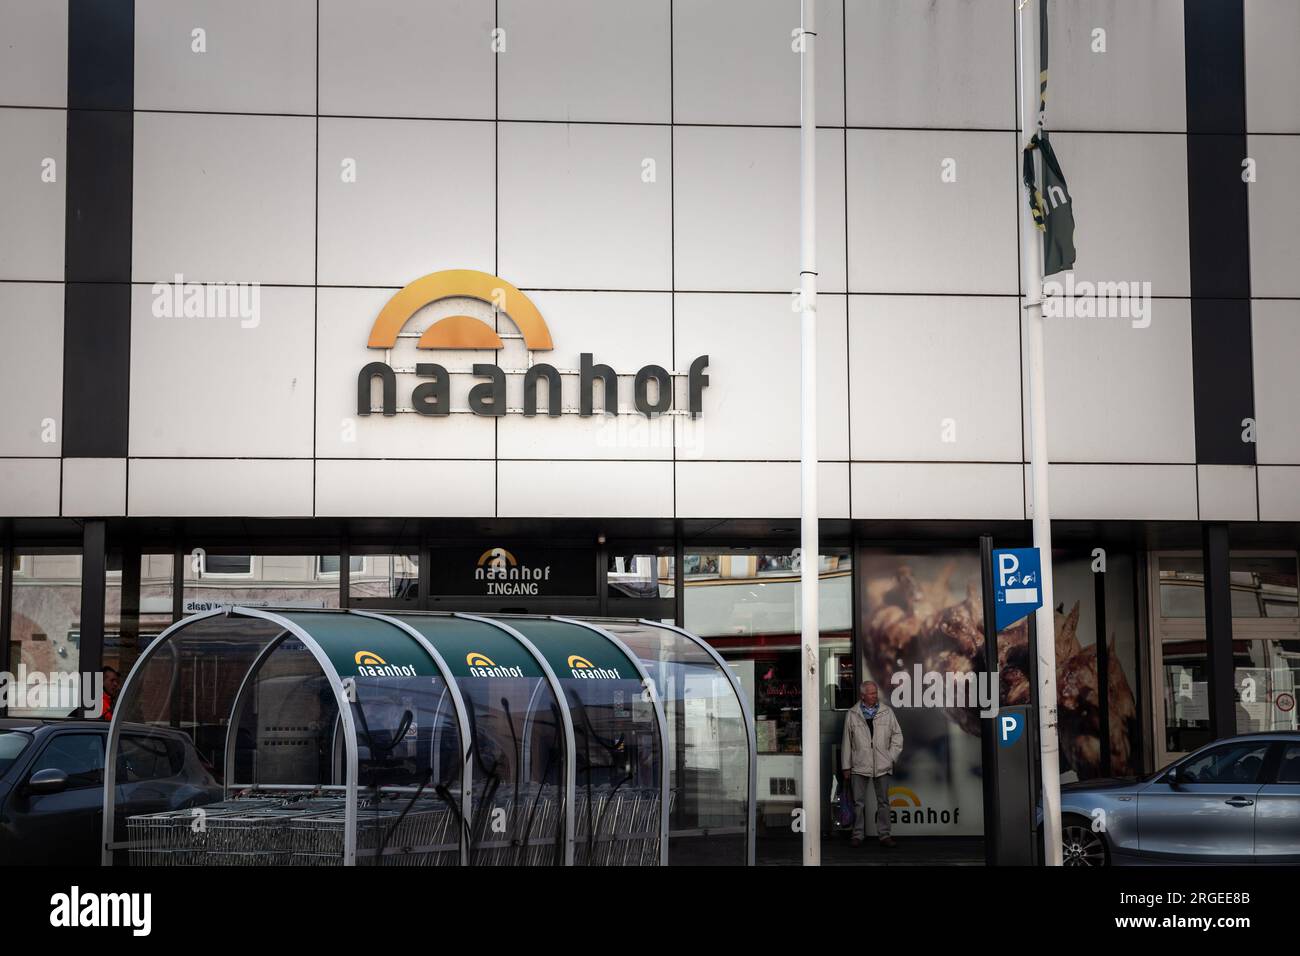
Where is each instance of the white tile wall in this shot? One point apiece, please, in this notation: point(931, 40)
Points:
point(29, 487)
point(94, 487)
point(34, 61)
point(197, 487)
point(586, 60)
point(269, 47)
point(736, 209)
point(402, 198)
point(934, 378)
point(408, 58)
point(224, 198)
point(734, 62)
point(1274, 214)
point(737, 489)
point(1130, 76)
point(1129, 198)
point(919, 490)
point(1275, 341)
point(1119, 393)
point(31, 241)
point(31, 369)
point(751, 407)
point(1272, 67)
point(416, 488)
point(581, 489)
point(246, 393)
point(908, 67)
point(910, 230)
point(1226, 492)
point(1279, 493)
point(700, 257)
point(577, 211)
point(1119, 492)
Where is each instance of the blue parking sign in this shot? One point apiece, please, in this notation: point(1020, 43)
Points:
point(1017, 584)
point(1010, 726)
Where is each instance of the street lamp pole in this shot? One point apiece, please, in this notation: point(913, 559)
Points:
point(810, 562)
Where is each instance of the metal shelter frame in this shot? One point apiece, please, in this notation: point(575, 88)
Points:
point(573, 667)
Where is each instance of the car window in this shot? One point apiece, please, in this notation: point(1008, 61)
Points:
point(148, 758)
point(80, 756)
point(12, 745)
point(1289, 770)
point(1228, 764)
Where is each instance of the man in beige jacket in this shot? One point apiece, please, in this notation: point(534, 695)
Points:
point(872, 742)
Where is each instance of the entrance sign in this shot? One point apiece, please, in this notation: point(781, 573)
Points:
point(514, 570)
point(1017, 587)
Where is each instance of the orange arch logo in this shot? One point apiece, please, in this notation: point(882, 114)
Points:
point(579, 663)
point(368, 658)
point(475, 659)
point(460, 331)
point(497, 558)
point(903, 797)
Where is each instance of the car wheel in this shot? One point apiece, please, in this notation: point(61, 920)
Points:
point(1082, 846)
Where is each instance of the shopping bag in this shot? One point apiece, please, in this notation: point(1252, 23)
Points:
point(842, 804)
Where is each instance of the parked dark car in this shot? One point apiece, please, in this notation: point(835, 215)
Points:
point(1236, 800)
point(52, 785)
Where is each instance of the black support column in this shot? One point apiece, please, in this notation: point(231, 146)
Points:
point(94, 564)
point(1218, 630)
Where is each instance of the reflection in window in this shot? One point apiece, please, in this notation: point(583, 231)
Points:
point(1264, 684)
point(633, 575)
point(385, 578)
point(747, 606)
point(267, 580)
point(1261, 587)
point(46, 624)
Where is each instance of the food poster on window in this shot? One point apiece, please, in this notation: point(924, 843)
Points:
point(923, 642)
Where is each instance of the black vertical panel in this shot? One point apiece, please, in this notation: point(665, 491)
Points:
point(101, 54)
point(96, 369)
point(1218, 230)
point(97, 245)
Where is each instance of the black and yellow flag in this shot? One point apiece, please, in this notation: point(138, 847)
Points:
point(1051, 207)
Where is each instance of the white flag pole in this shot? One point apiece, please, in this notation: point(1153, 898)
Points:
point(1031, 250)
point(810, 562)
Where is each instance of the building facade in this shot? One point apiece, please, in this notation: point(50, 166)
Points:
point(487, 305)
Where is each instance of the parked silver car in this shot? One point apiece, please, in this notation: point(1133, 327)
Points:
point(1236, 800)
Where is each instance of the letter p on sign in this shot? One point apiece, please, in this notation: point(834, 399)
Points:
point(1007, 564)
point(1009, 729)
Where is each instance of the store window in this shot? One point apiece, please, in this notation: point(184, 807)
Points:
point(130, 627)
point(328, 564)
point(639, 582)
point(213, 578)
point(1265, 646)
point(225, 565)
point(746, 603)
point(45, 627)
point(384, 579)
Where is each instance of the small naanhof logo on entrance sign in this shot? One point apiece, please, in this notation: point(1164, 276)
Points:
point(503, 574)
point(653, 392)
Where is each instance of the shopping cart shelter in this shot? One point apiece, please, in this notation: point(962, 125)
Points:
point(439, 739)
